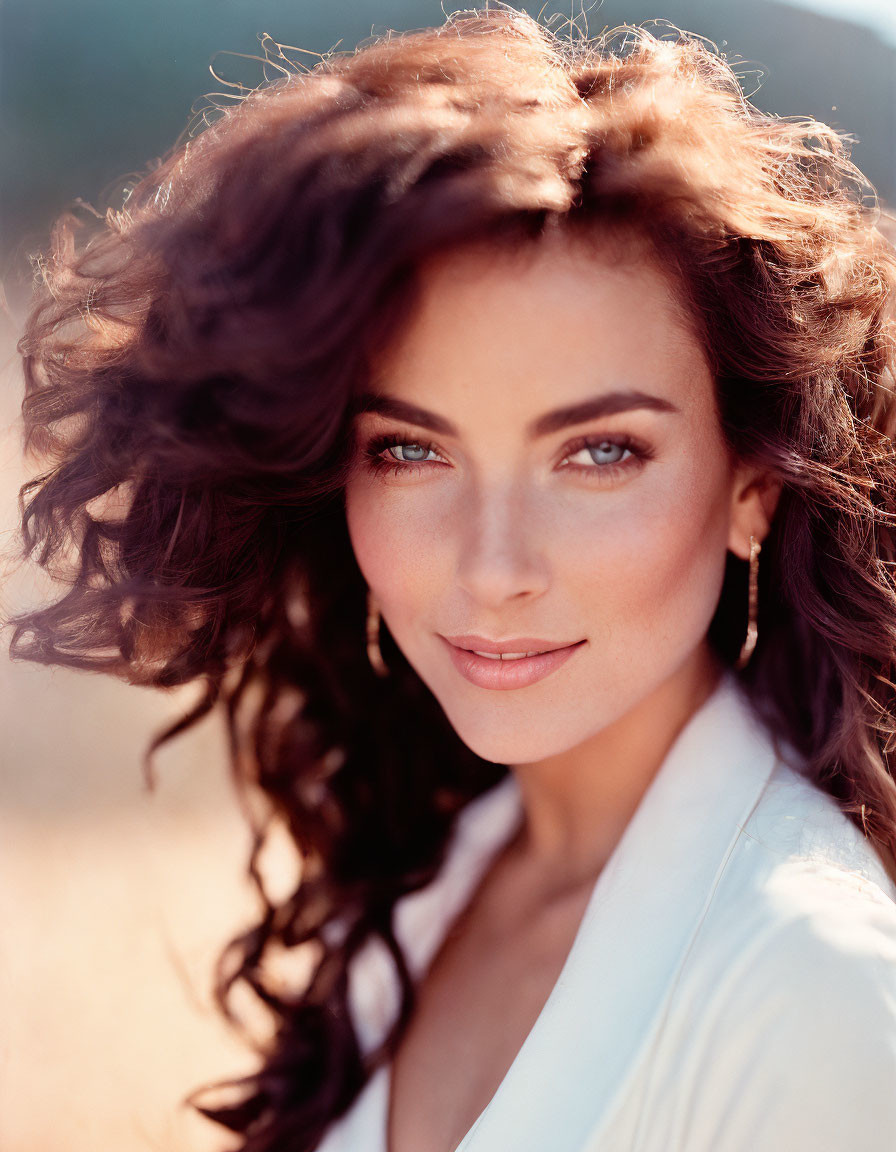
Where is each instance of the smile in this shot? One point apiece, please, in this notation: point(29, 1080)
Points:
point(504, 670)
point(504, 655)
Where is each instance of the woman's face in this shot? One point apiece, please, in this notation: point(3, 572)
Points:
point(546, 467)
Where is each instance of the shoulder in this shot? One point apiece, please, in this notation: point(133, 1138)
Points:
point(786, 1002)
point(803, 899)
point(796, 819)
point(799, 865)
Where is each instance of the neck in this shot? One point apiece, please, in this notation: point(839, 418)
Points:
point(577, 804)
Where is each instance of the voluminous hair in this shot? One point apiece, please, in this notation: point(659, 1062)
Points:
point(191, 360)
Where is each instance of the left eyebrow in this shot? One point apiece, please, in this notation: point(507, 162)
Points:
point(607, 404)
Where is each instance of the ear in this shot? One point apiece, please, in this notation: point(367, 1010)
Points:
point(754, 498)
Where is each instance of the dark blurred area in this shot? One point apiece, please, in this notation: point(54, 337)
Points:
point(92, 92)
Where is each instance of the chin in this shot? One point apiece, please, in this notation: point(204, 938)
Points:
point(512, 742)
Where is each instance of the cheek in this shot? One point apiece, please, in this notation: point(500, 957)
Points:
point(654, 568)
point(395, 539)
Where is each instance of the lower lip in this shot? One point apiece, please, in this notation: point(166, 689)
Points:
point(503, 674)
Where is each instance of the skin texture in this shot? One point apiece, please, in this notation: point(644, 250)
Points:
point(502, 535)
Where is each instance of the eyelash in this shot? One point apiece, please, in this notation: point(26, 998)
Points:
point(377, 445)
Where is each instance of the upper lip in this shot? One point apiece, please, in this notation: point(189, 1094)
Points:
point(516, 644)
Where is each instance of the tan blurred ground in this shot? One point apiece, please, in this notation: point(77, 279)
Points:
point(113, 902)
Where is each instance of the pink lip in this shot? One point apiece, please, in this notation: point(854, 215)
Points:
point(504, 674)
point(474, 643)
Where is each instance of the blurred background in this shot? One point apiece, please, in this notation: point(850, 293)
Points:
point(114, 902)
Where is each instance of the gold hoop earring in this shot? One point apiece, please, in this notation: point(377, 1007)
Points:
point(752, 628)
point(374, 655)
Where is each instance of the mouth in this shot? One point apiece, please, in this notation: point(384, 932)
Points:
point(509, 655)
point(515, 668)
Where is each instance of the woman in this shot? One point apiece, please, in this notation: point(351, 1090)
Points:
point(432, 408)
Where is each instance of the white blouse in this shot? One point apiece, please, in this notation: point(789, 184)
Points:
point(731, 986)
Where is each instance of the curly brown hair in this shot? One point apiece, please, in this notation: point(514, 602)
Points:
point(191, 363)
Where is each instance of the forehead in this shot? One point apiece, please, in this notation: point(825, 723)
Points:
point(559, 318)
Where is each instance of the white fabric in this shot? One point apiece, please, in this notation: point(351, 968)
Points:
point(731, 987)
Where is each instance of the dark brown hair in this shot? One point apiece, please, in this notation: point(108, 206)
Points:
point(191, 362)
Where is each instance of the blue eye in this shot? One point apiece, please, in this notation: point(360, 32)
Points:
point(396, 453)
point(606, 451)
point(410, 453)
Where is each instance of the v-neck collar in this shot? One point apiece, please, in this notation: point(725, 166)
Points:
point(641, 917)
point(643, 913)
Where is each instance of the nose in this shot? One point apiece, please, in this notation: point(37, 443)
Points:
point(502, 547)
